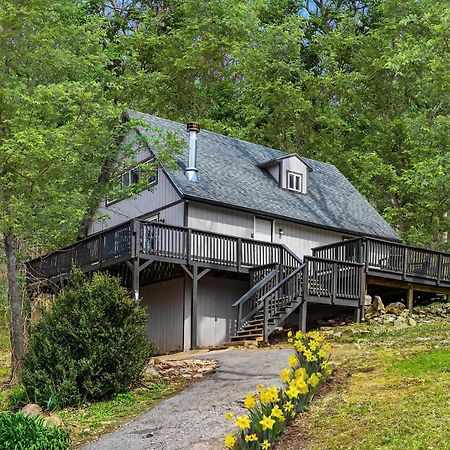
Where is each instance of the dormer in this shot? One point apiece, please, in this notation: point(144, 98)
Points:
point(290, 172)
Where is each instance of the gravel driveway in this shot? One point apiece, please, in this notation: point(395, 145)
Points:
point(194, 418)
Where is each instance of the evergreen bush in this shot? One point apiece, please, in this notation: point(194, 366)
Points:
point(30, 432)
point(90, 345)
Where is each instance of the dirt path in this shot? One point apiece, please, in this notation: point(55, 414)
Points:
point(194, 419)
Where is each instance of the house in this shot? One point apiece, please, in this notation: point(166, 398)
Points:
point(239, 239)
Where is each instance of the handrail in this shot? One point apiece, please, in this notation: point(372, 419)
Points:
point(338, 261)
point(336, 244)
point(255, 288)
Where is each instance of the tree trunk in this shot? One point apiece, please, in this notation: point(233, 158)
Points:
point(16, 308)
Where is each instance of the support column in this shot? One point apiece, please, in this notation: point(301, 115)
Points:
point(135, 280)
point(359, 311)
point(410, 298)
point(302, 313)
point(194, 315)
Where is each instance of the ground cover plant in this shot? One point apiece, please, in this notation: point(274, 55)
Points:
point(90, 345)
point(19, 432)
point(272, 409)
point(391, 390)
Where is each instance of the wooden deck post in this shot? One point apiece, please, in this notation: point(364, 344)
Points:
point(135, 280)
point(194, 315)
point(410, 298)
point(302, 312)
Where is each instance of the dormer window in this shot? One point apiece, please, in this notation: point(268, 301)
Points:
point(295, 181)
point(290, 171)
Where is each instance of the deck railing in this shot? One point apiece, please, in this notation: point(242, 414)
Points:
point(385, 256)
point(339, 281)
point(91, 252)
point(164, 242)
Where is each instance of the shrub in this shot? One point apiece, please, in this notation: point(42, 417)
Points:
point(30, 432)
point(271, 408)
point(90, 345)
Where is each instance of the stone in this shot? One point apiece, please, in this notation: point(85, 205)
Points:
point(367, 300)
point(411, 322)
point(53, 420)
point(376, 308)
point(400, 323)
point(395, 308)
point(32, 410)
point(378, 304)
point(150, 371)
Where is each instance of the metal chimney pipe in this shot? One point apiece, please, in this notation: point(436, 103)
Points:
point(191, 170)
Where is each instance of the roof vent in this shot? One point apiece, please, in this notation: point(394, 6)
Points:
point(191, 170)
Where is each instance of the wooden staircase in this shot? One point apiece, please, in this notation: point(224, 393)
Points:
point(276, 292)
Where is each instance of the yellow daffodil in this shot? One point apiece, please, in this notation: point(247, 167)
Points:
point(288, 406)
point(265, 397)
point(314, 380)
point(229, 415)
point(293, 361)
point(251, 438)
point(292, 392)
point(267, 423)
point(276, 412)
point(243, 422)
point(265, 444)
point(309, 356)
point(260, 387)
point(250, 401)
point(286, 375)
point(299, 346)
point(273, 393)
point(230, 441)
point(299, 334)
point(301, 373)
point(289, 334)
point(313, 345)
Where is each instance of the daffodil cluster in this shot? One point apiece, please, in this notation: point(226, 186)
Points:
point(271, 408)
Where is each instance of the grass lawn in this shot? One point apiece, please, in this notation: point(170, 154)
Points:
point(390, 391)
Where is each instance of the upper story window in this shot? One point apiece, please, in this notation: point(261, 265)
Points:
point(128, 178)
point(295, 181)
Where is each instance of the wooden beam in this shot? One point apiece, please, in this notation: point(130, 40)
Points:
point(189, 273)
point(371, 280)
point(194, 315)
point(203, 273)
point(145, 265)
point(302, 315)
point(410, 298)
point(135, 280)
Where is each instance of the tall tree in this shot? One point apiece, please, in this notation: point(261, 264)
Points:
point(56, 128)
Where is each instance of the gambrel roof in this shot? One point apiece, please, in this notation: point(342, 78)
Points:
point(231, 174)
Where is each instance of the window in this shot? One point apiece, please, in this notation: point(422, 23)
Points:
point(128, 178)
point(295, 181)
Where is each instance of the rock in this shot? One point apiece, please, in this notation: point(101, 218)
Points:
point(150, 371)
point(197, 375)
point(377, 307)
point(400, 323)
point(411, 322)
point(367, 300)
point(395, 308)
point(53, 420)
point(32, 410)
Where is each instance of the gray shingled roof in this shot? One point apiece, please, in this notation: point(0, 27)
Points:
point(229, 175)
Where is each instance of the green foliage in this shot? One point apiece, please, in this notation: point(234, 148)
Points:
point(89, 346)
point(19, 432)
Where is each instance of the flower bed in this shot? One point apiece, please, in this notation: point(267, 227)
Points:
point(271, 409)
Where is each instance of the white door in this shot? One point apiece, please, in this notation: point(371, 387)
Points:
point(263, 230)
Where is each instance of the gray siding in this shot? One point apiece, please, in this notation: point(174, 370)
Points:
point(146, 201)
point(293, 164)
point(217, 317)
point(164, 304)
point(299, 238)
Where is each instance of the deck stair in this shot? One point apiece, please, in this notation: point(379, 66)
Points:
point(276, 292)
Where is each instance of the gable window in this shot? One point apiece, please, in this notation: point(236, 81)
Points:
point(128, 178)
point(295, 181)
